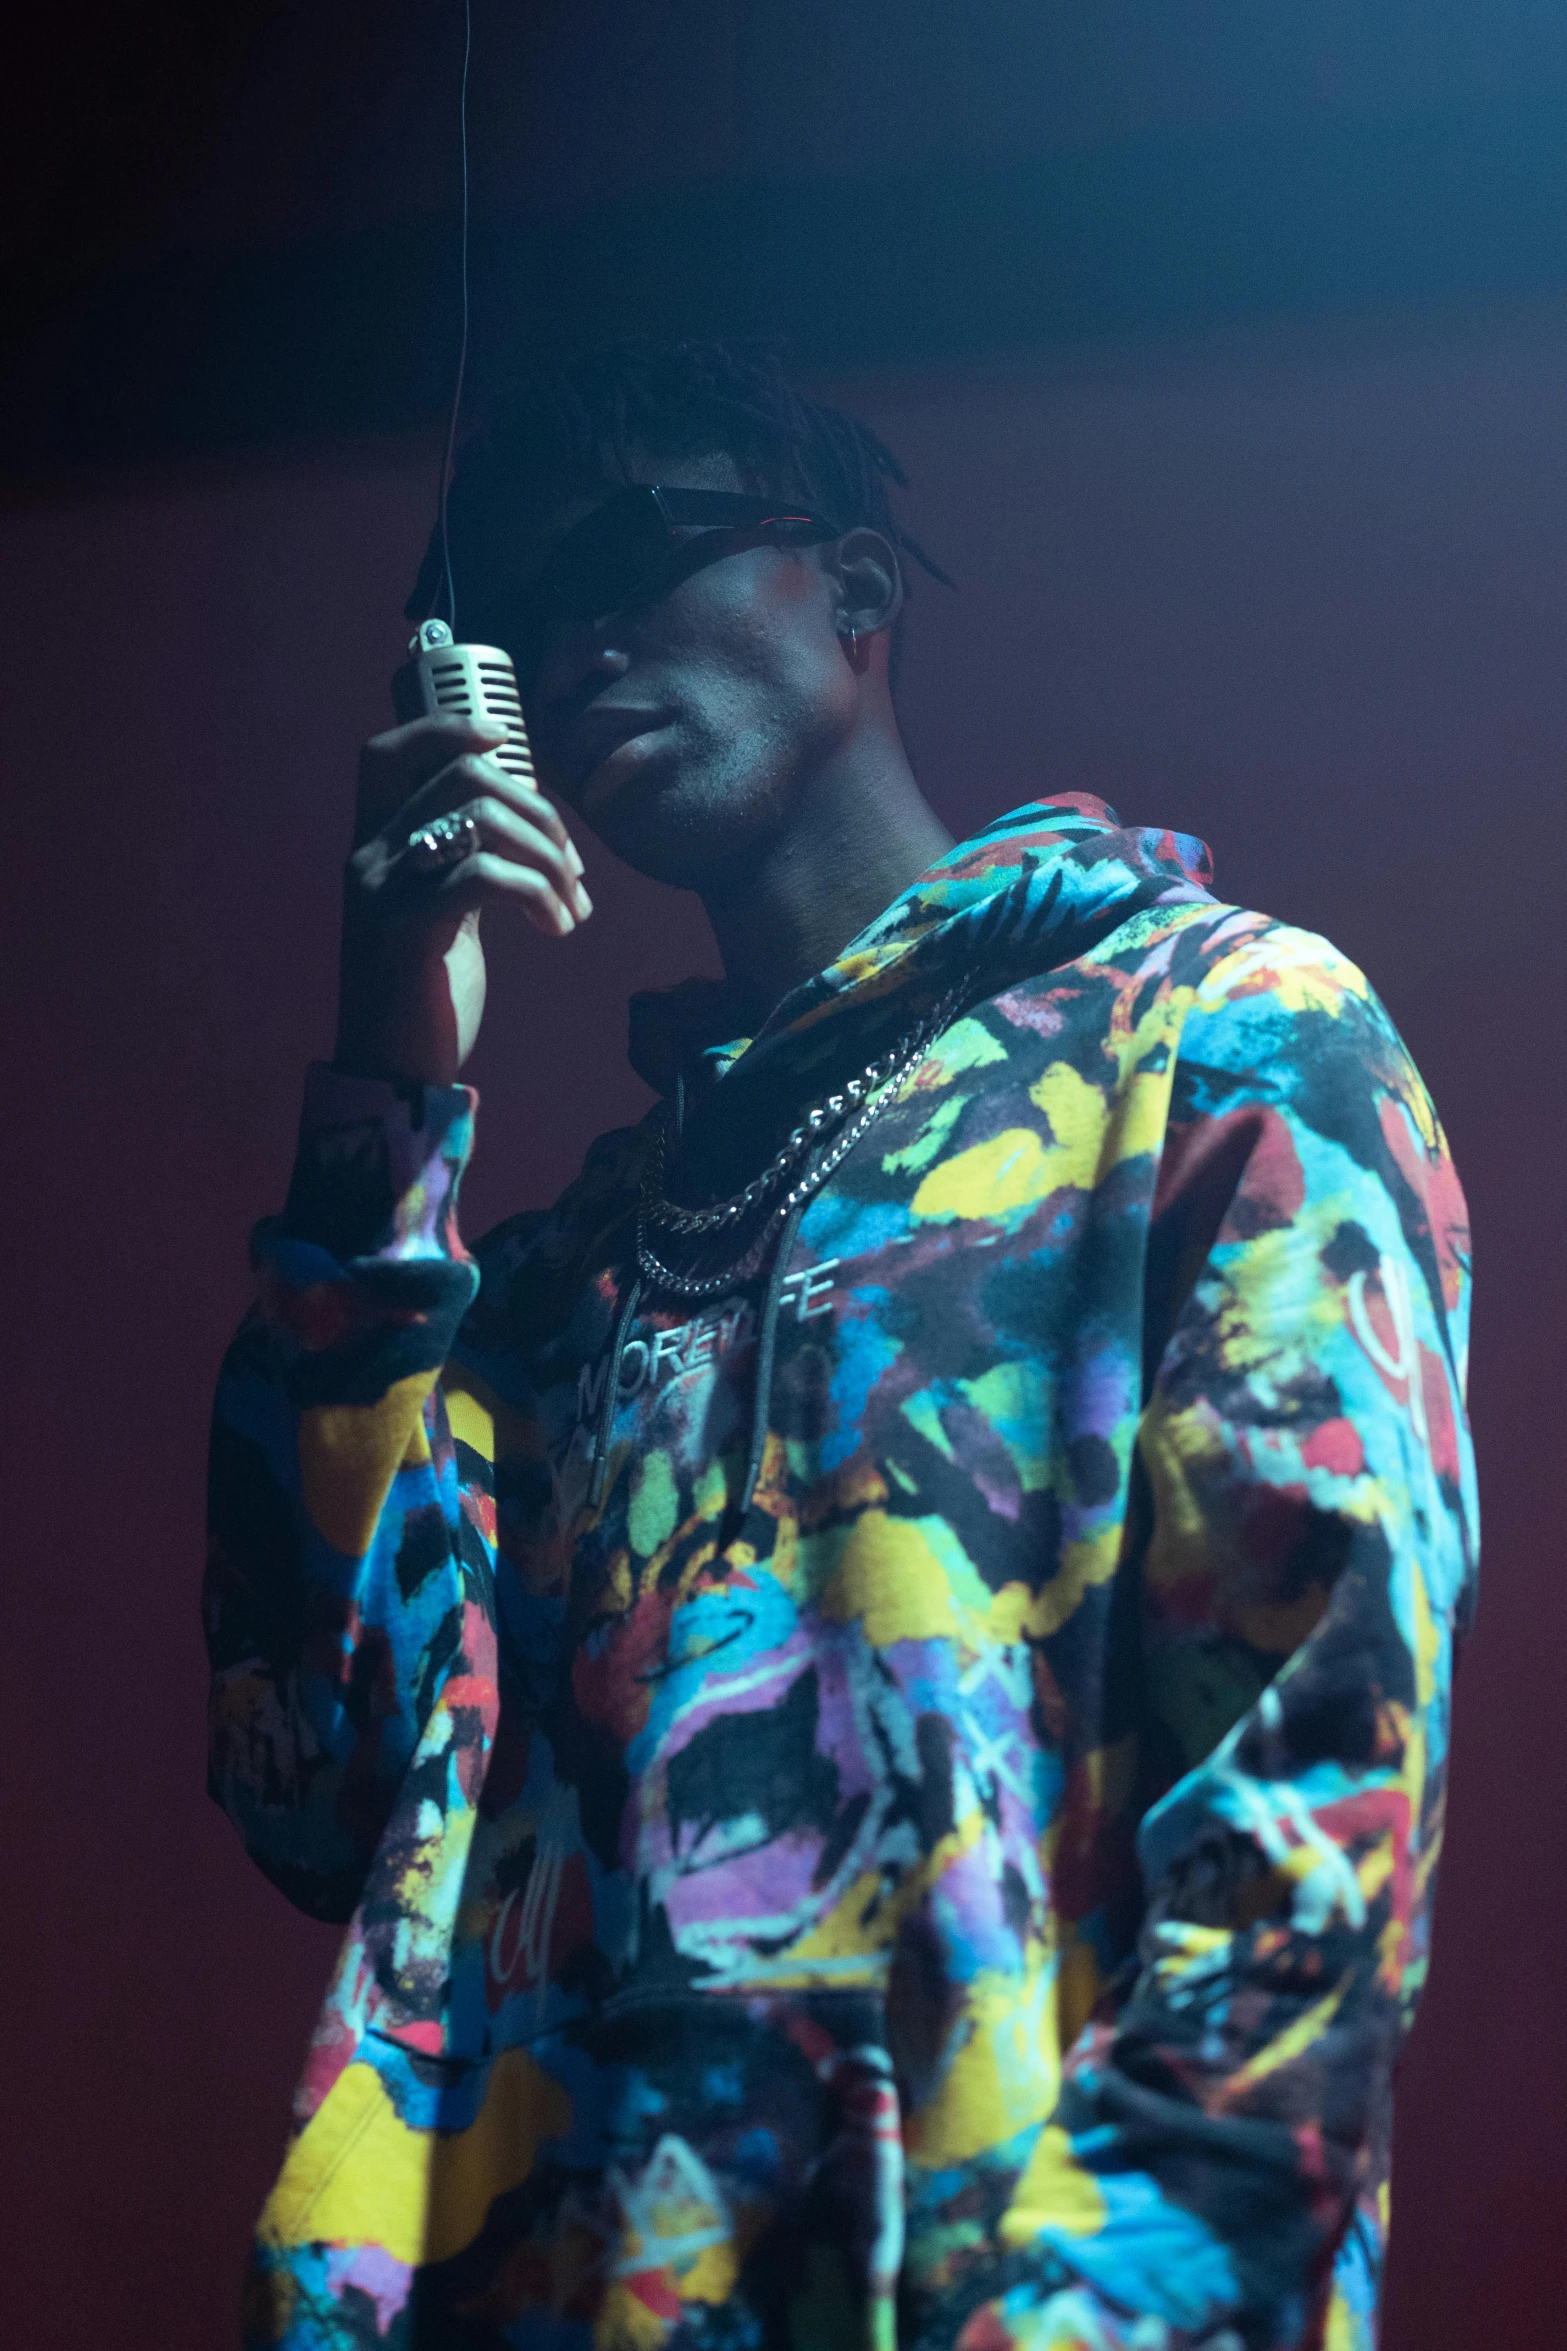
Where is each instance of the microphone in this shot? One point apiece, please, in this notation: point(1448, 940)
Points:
point(474, 681)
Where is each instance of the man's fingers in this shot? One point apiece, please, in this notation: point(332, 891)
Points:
point(465, 781)
point(502, 829)
point(439, 772)
point(394, 764)
point(427, 766)
point(429, 742)
point(516, 839)
point(487, 876)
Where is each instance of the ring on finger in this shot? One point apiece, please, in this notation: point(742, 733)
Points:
point(444, 843)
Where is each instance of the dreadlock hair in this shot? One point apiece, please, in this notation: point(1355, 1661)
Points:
point(578, 427)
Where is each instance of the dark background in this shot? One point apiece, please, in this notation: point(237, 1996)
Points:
point(1227, 346)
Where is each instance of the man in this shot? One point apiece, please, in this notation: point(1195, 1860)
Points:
point(873, 1685)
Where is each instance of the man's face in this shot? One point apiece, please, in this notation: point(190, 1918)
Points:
point(682, 730)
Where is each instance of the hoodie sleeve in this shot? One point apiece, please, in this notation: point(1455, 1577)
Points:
point(1215, 2169)
point(348, 1594)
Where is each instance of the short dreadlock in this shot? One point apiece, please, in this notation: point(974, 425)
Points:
point(577, 426)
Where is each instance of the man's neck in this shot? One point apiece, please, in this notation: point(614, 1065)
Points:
point(862, 832)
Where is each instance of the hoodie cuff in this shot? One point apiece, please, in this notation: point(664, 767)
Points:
point(378, 1168)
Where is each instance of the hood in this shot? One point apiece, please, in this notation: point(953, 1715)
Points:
point(1034, 890)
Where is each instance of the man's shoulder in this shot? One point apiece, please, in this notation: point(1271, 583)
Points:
point(1218, 986)
point(1262, 990)
point(1279, 1014)
point(1246, 954)
point(1207, 955)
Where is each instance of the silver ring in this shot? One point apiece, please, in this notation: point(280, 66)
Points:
point(447, 842)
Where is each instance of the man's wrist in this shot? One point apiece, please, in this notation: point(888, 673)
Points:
point(379, 1163)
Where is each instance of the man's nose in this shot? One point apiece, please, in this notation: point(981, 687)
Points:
point(580, 659)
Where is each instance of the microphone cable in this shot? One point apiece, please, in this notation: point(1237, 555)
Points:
point(462, 345)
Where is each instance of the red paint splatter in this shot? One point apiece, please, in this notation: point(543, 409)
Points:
point(1335, 1447)
point(985, 2331)
point(610, 1681)
point(425, 2040)
point(1441, 1421)
point(1434, 1180)
point(479, 1508)
point(655, 2290)
point(1242, 1168)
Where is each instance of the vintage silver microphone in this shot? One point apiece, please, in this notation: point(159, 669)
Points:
point(472, 681)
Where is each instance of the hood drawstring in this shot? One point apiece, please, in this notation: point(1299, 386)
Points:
point(766, 1335)
point(607, 1402)
point(766, 1341)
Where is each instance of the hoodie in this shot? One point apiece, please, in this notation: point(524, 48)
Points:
point(896, 1801)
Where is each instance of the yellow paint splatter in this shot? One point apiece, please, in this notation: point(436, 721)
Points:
point(1091, 1560)
point(359, 2174)
point(995, 1179)
point(1009, 1616)
point(1054, 2192)
point(1285, 2047)
point(1301, 971)
point(625, 2323)
point(1375, 1868)
point(482, 1418)
point(902, 1577)
point(713, 2274)
point(1003, 2074)
point(1343, 2329)
point(471, 1422)
point(349, 1455)
point(1078, 1115)
point(863, 1923)
point(1427, 1643)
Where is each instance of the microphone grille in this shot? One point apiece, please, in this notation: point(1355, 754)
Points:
point(479, 682)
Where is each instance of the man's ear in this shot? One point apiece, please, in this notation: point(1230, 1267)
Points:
point(870, 584)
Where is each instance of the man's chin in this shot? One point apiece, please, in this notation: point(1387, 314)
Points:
point(626, 771)
point(667, 826)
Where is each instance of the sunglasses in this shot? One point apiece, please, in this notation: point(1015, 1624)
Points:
point(634, 548)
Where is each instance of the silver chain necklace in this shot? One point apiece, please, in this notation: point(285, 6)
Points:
point(861, 1102)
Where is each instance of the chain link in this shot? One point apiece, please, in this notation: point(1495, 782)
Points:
point(872, 1091)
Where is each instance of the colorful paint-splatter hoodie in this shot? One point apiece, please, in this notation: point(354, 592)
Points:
point(899, 1804)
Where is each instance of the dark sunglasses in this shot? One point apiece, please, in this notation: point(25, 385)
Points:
point(633, 549)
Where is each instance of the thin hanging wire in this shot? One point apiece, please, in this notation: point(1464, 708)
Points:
point(462, 346)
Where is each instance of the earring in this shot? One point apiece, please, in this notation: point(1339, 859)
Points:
point(849, 638)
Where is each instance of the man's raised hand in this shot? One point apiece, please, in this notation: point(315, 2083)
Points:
point(411, 992)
